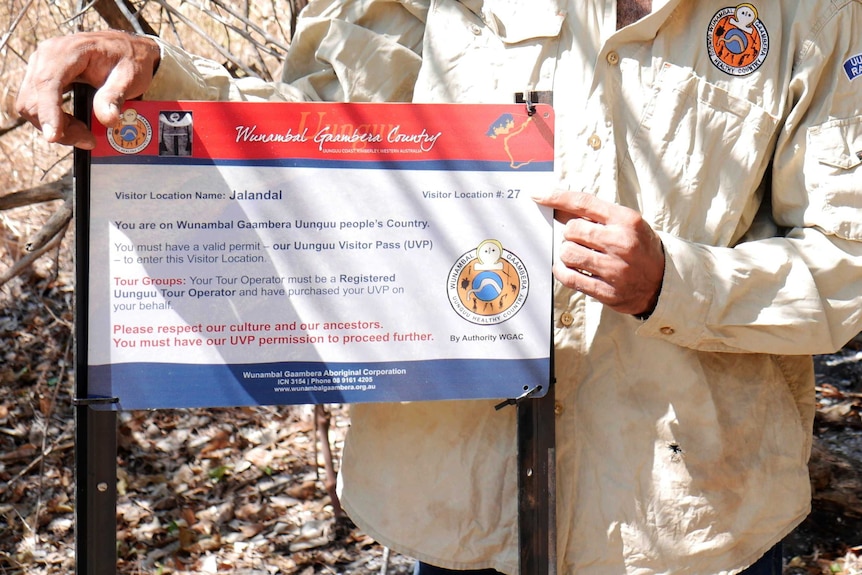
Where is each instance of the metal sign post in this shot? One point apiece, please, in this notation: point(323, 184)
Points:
point(96, 491)
point(536, 485)
point(95, 430)
point(536, 452)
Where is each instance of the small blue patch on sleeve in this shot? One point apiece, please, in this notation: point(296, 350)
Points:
point(853, 67)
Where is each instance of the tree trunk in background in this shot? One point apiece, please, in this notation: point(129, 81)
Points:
point(125, 18)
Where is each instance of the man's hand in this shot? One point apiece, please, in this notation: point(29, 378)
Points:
point(118, 64)
point(609, 252)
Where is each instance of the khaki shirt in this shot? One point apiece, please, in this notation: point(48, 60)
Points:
point(736, 131)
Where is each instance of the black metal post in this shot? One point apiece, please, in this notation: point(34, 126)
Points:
point(96, 492)
point(536, 485)
point(95, 430)
point(537, 504)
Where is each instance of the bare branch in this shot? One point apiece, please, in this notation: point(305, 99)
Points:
point(17, 123)
point(120, 14)
point(43, 193)
point(214, 43)
point(55, 225)
point(282, 47)
point(287, 34)
point(14, 24)
point(258, 47)
point(21, 265)
point(296, 7)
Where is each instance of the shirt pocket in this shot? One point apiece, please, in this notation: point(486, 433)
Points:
point(700, 154)
point(833, 177)
point(507, 18)
point(487, 51)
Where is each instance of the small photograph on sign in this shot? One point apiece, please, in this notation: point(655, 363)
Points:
point(175, 133)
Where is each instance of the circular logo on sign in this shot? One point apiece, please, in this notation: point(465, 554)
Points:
point(737, 40)
point(132, 134)
point(488, 285)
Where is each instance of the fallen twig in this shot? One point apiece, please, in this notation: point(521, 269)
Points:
point(48, 192)
point(22, 264)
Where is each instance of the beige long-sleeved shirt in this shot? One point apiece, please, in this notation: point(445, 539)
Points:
point(736, 130)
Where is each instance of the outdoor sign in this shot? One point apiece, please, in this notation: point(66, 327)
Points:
point(274, 253)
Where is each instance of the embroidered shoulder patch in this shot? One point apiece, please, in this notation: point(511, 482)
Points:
point(853, 67)
point(737, 40)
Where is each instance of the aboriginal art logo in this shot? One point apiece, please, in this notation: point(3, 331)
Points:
point(488, 285)
point(131, 134)
point(737, 40)
point(506, 130)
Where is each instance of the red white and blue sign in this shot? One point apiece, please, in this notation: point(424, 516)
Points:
point(274, 253)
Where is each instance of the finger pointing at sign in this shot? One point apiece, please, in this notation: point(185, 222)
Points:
point(608, 252)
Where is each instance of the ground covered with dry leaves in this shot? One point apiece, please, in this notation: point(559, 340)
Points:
point(236, 490)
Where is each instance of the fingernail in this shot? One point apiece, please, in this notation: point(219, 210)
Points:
point(48, 131)
point(538, 195)
point(115, 110)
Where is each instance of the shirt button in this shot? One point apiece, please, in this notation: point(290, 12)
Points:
point(667, 330)
point(594, 142)
point(558, 408)
point(613, 58)
point(567, 319)
point(475, 29)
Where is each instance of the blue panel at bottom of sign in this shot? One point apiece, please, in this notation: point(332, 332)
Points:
point(157, 386)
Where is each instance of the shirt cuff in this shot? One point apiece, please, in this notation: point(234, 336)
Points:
point(686, 294)
point(181, 76)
